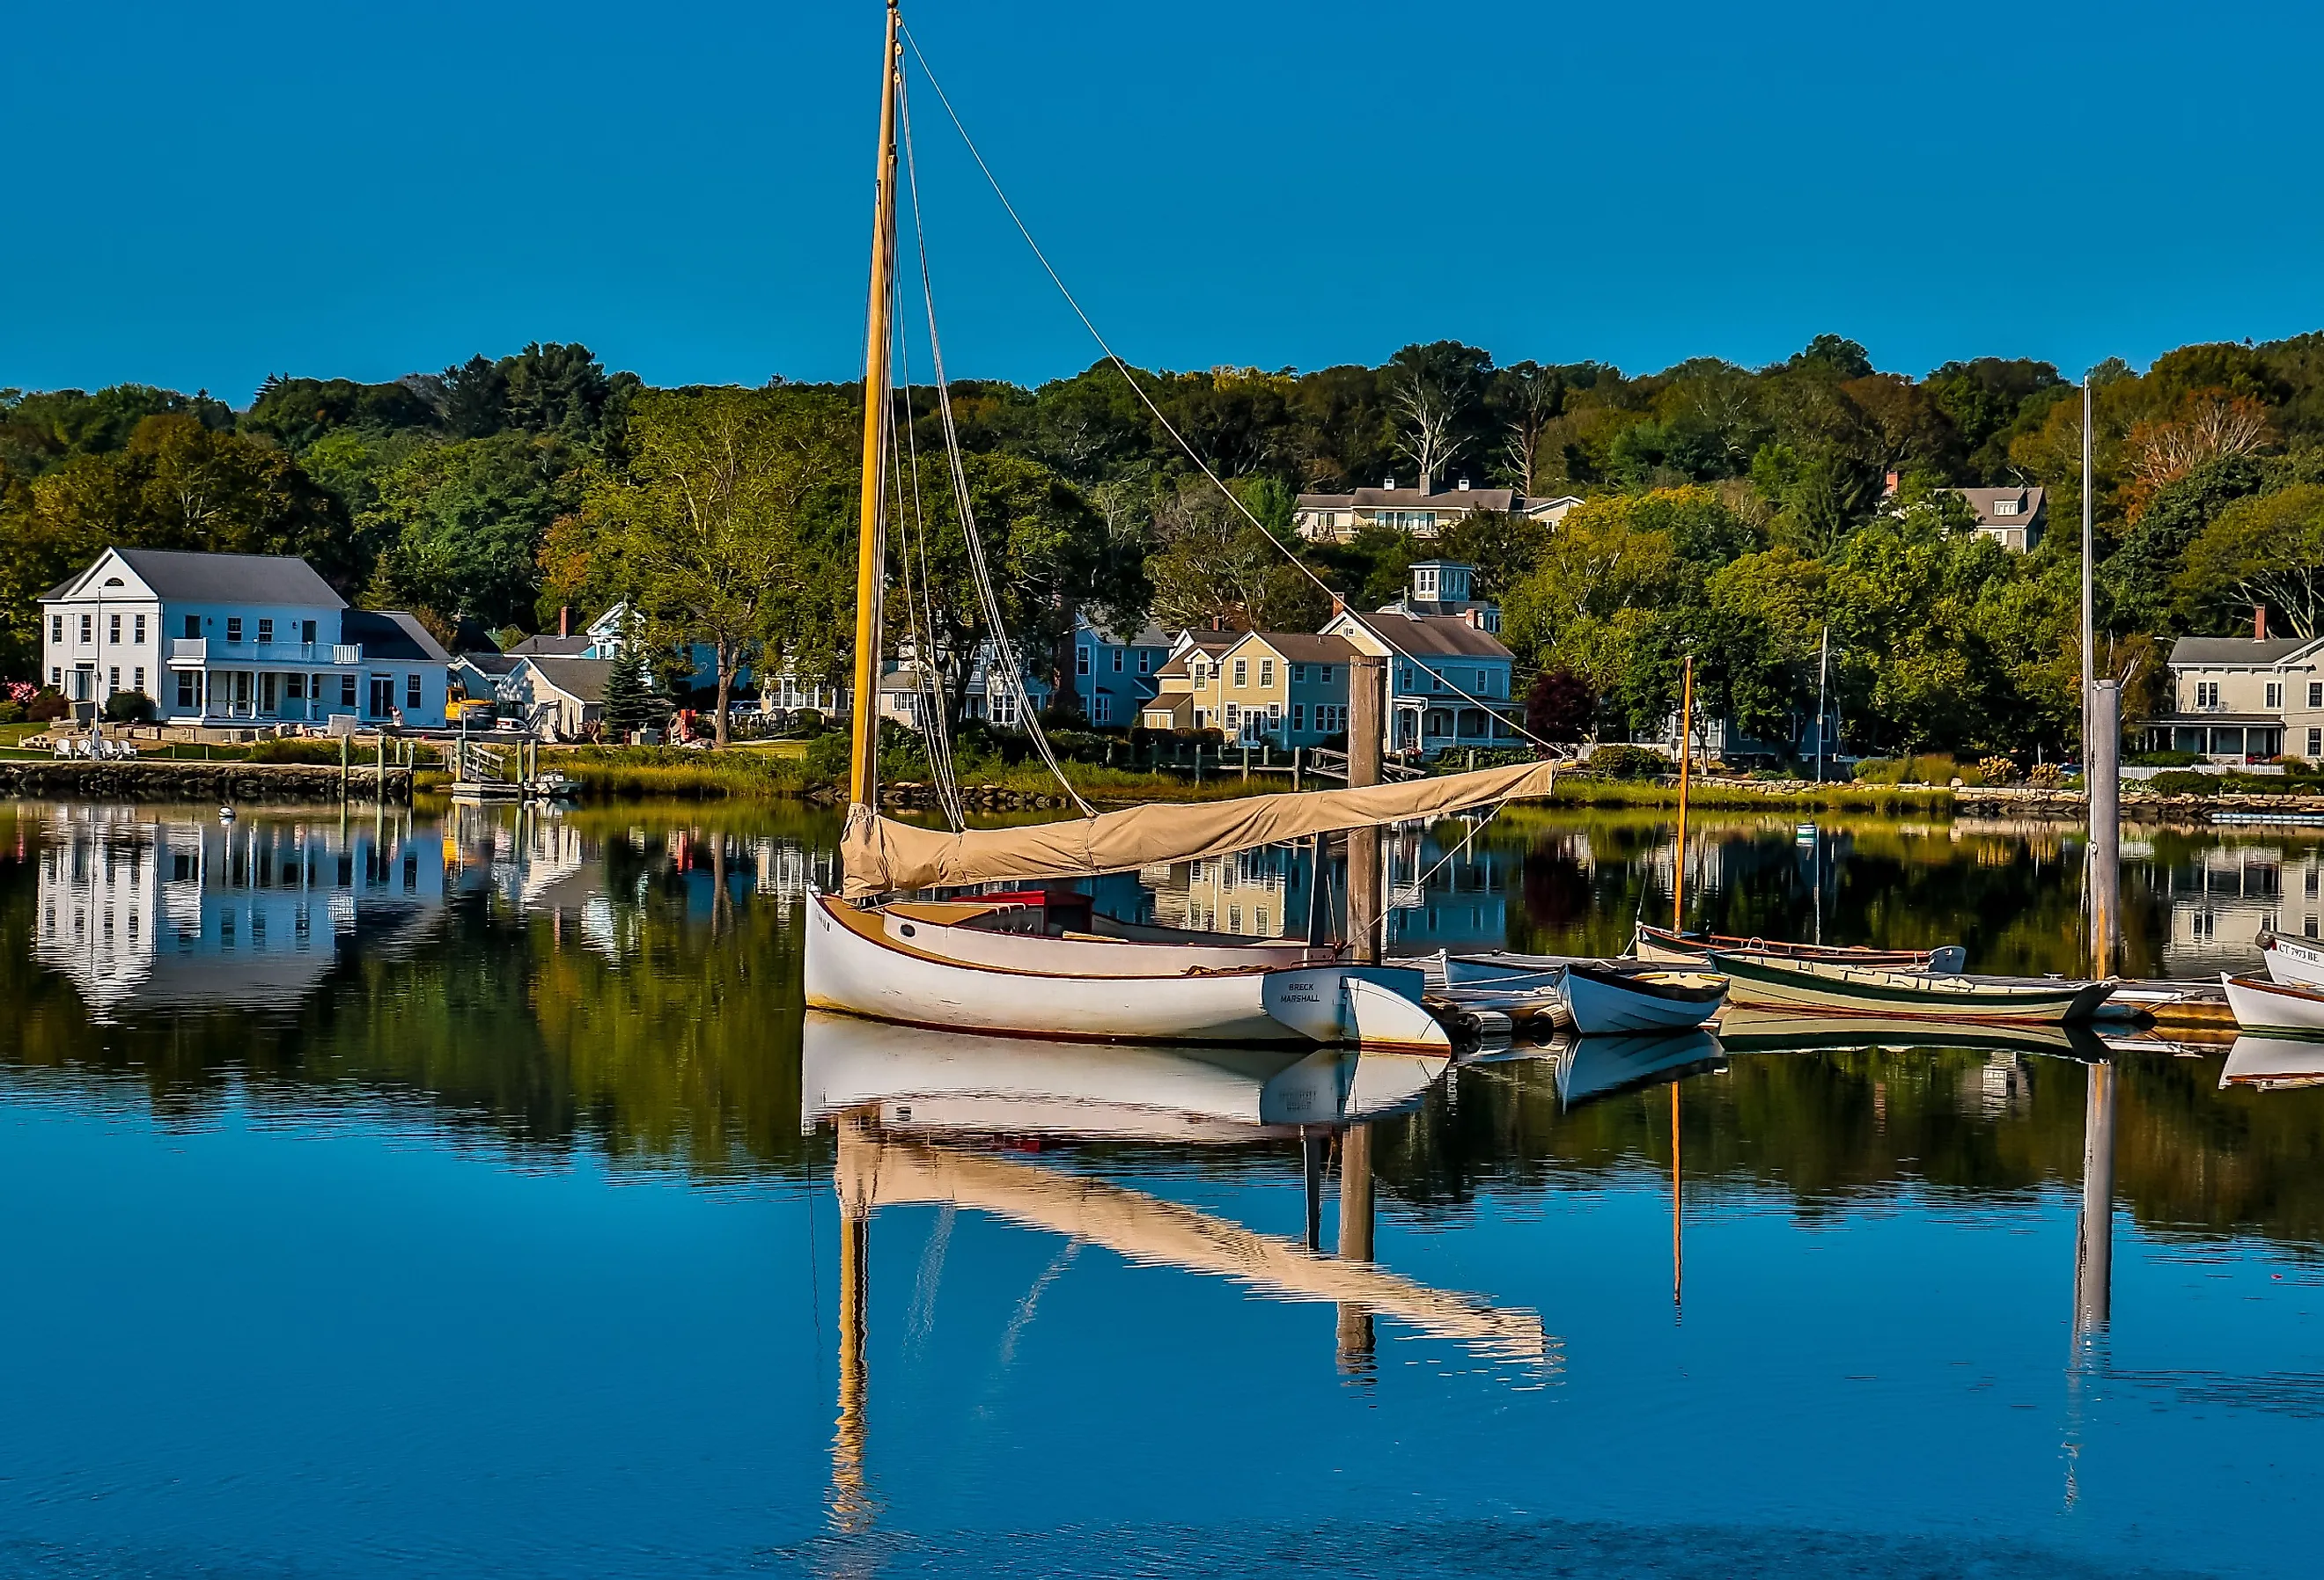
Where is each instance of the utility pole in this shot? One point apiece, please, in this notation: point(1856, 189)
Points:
point(1685, 758)
point(1823, 715)
point(1366, 721)
point(2088, 624)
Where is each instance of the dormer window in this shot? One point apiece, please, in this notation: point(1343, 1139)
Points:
point(2004, 507)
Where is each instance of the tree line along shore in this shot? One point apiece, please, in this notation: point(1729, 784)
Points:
point(1739, 516)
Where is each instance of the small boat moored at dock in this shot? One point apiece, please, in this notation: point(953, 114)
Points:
point(1672, 947)
point(1600, 997)
point(2299, 962)
point(1817, 988)
point(2261, 1005)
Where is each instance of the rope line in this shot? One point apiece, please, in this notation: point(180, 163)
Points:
point(1004, 650)
point(936, 730)
point(1139, 390)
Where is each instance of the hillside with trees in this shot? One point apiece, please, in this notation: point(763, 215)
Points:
point(1730, 513)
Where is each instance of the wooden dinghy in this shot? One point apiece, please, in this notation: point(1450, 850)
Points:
point(1600, 997)
point(1672, 947)
point(2261, 1005)
point(1820, 988)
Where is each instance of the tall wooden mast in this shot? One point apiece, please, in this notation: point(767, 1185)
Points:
point(863, 764)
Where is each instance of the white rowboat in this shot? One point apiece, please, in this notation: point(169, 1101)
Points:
point(2261, 1005)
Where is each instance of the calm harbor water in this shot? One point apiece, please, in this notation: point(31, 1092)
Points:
point(451, 1197)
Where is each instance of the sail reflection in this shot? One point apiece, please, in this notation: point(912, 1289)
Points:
point(915, 1112)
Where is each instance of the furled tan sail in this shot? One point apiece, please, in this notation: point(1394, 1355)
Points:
point(884, 856)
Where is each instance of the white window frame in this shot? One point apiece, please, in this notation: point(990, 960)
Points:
point(1080, 659)
point(1266, 673)
point(1298, 718)
point(2274, 693)
point(1242, 674)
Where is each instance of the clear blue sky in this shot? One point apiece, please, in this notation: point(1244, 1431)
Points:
point(204, 195)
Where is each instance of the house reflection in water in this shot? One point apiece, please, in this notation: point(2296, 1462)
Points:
point(2222, 897)
point(145, 908)
point(1268, 892)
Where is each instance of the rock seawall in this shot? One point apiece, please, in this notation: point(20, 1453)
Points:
point(197, 782)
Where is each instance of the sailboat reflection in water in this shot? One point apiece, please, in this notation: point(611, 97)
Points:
point(918, 1114)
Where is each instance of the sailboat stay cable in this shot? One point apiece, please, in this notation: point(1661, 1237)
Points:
point(1139, 390)
point(935, 729)
point(928, 692)
point(1388, 898)
point(1004, 650)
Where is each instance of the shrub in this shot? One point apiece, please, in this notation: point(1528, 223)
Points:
point(2164, 759)
point(807, 721)
point(129, 707)
point(1623, 762)
point(12, 712)
point(2046, 776)
point(1995, 770)
point(827, 756)
point(1928, 768)
point(2186, 784)
point(48, 704)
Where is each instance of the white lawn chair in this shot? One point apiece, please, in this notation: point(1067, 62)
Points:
point(61, 747)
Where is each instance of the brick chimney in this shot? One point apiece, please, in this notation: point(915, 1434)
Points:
point(564, 620)
point(1428, 484)
point(2259, 622)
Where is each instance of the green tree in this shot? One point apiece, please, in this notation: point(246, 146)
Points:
point(462, 524)
point(720, 529)
point(2268, 550)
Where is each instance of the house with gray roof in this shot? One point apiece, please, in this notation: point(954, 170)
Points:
point(1426, 511)
point(1452, 681)
point(2242, 699)
point(235, 639)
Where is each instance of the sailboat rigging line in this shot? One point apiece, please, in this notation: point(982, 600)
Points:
point(1388, 895)
point(936, 733)
point(1004, 650)
point(1139, 390)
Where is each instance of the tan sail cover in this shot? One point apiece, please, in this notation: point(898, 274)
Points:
point(883, 857)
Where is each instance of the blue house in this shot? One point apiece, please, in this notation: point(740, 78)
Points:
point(1114, 675)
point(236, 638)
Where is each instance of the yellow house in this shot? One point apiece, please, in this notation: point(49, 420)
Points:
point(1185, 674)
point(1281, 687)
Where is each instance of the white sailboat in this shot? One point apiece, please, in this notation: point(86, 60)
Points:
point(883, 949)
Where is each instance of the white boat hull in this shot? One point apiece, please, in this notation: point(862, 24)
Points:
point(2271, 1006)
point(859, 963)
point(2294, 962)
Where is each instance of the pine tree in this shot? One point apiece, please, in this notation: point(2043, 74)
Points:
point(629, 704)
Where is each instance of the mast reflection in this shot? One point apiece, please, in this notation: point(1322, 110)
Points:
point(917, 1112)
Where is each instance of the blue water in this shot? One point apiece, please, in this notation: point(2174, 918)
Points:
point(287, 1304)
